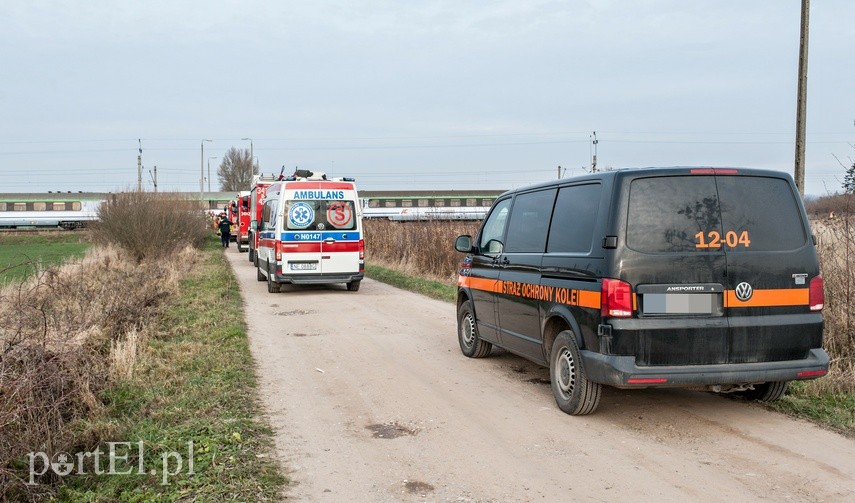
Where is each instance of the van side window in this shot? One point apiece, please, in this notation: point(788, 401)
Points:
point(573, 220)
point(268, 215)
point(494, 227)
point(529, 221)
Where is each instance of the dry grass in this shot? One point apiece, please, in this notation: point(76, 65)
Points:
point(67, 333)
point(419, 248)
point(836, 246)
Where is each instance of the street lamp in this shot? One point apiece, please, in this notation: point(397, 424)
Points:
point(250, 156)
point(202, 171)
point(209, 171)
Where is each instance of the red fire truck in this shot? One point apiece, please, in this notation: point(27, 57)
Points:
point(256, 202)
point(241, 210)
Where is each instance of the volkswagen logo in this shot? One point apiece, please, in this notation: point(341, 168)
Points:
point(744, 291)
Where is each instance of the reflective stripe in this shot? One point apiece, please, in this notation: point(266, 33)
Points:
point(770, 298)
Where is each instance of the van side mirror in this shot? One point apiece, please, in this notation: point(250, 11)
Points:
point(463, 244)
point(253, 226)
point(494, 247)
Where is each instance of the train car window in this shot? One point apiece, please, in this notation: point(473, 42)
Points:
point(373, 203)
point(471, 202)
point(75, 206)
point(19, 207)
point(423, 202)
point(486, 202)
point(407, 203)
point(455, 202)
point(39, 206)
point(439, 202)
point(58, 207)
point(390, 203)
point(2, 206)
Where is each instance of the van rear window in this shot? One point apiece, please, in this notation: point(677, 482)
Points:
point(713, 214)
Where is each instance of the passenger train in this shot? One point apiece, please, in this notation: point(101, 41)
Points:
point(66, 211)
point(427, 206)
point(76, 210)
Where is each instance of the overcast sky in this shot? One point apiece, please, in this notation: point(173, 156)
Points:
point(416, 95)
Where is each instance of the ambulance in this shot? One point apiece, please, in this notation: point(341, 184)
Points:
point(310, 232)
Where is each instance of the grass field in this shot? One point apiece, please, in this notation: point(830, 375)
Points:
point(178, 403)
point(22, 254)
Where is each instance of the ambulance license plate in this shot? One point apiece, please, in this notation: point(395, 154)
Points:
point(304, 266)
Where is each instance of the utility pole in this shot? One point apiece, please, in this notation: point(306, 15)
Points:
point(154, 178)
point(139, 166)
point(594, 155)
point(801, 102)
point(202, 171)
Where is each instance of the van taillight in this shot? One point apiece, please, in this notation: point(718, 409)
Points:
point(361, 249)
point(616, 299)
point(817, 294)
point(278, 249)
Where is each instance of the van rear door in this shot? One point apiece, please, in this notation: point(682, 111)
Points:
point(340, 240)
point(721, 262)
point(771, 262)
point(678, 284)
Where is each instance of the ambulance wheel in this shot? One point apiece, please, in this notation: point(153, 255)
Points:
point(252, 255)
point(258, 275)
point(471, 343)
point(573, 392)
point(765, 392)
point(353, 286)
point(272, 286)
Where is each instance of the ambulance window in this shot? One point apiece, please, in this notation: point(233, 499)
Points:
point(494, 226)
point(303, 214)
point(268, 215)
point(573, 219)
point(338, 215)
point(529, 222)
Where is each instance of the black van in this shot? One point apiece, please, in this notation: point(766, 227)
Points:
point(688, 277)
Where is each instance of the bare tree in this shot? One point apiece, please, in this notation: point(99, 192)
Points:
point(236, 170)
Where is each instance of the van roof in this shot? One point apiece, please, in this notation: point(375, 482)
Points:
point(654, 171)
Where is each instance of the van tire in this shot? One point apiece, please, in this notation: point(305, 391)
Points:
point(258, 275)
point(765, 392)
point(573, 392)
point(251, 256)
point(272, 286)
point(353, 286)
point(471, 343)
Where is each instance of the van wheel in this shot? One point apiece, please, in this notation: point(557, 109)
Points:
point(765, 392)
point(252, 255)
point(573, 392)
point(353, 286)
point(258, 275)
point(272, 286)
point(471, 343)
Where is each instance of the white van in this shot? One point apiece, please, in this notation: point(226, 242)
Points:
point(311, 232)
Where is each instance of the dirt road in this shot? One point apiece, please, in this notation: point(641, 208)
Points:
point(373, 401)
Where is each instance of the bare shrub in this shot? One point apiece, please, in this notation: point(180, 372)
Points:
point(67, 333)
point(150, 225)
point(836, 246)
point(424, 248)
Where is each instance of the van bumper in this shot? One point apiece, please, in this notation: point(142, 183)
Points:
point(622, 372)
point(318, 279)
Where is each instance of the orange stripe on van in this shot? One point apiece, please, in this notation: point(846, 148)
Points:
point(770, 298)
point(487, 285)
point(589, 299)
